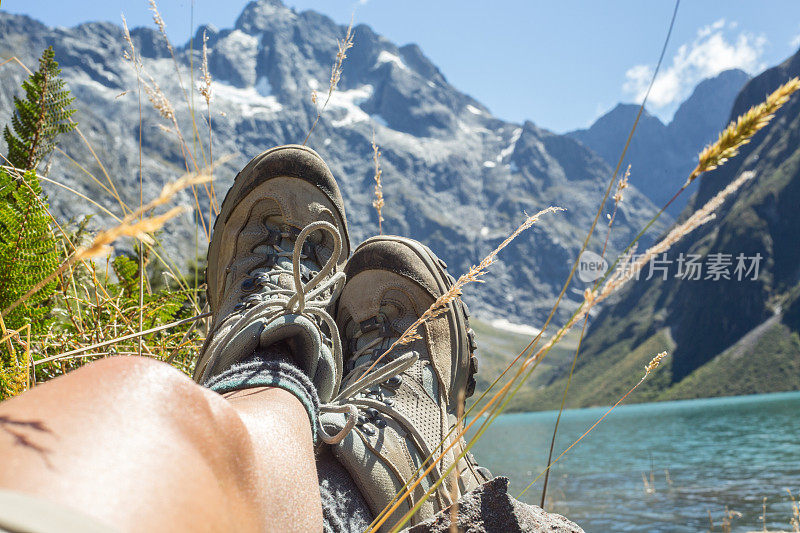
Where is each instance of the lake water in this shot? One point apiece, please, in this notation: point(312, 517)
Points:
point(704, 455)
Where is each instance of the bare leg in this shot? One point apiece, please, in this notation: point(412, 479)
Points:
point(136, 444)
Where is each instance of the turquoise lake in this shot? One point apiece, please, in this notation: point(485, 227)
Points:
point(704, 455)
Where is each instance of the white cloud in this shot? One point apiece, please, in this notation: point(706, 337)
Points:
point(714, 49)
point(705, 31)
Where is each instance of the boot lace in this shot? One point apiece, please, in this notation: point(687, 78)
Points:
point(386, 375)
point(269, 298)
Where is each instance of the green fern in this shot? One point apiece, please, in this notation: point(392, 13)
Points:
point(28, 251)
point(41, 116)
point(127, 271)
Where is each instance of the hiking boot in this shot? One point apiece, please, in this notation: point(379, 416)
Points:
point(274, 267)
point(408, 403)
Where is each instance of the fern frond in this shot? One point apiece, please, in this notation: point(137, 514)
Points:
point(41, 116)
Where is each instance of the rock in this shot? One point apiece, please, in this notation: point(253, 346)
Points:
point(490, 509)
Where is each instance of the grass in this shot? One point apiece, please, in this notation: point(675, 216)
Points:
point(730, 516)
point(738, 133)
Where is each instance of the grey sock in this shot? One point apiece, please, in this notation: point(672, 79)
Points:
point(344, 509)
point(270, 367)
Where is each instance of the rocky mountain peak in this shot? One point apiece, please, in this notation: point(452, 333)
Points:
point(454, 176)
point(662, 155)
point(262, 15)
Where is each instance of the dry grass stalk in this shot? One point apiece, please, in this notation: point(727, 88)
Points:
point(378, 202)
point(20, 63)
point(742, 129)
point(472, 276)
point(163, 105)
point(627, 271)
point(590, 296)
point(454, 475)
point(622, 184)
point(134, 335)
point(154, 93)
point(343, 45)
point(160, 101)
point(162, 28)
point(336, 70)
point(101, 245)
point(795, 520)
point(6, 337)
point(654, 362)
point(206, 92)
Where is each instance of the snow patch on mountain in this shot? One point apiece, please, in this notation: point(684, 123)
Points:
point(350, 103)
point(248, 100)
point(388, 57)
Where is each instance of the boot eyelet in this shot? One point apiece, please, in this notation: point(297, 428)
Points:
point(393, 382)
point(369, 429)
point(380, 423)
point(248, 285)
point(372, 413)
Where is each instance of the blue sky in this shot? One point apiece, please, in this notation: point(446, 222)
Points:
point(559, 63)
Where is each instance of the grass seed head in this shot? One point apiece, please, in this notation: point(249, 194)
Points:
point(654, 362)
point(159, 22)
point(627, 270)
point(378, 202)
point(741, 130)
point(622, 185)
point(205, 79)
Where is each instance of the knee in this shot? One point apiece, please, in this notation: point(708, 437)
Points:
point(157, 389)
point(141, 377)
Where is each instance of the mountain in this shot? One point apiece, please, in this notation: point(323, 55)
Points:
point(662, 155)
point(454, 176)
point(724, 336)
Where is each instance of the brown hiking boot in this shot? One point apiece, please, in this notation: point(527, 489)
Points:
point(274, 267)
point(408, 403)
